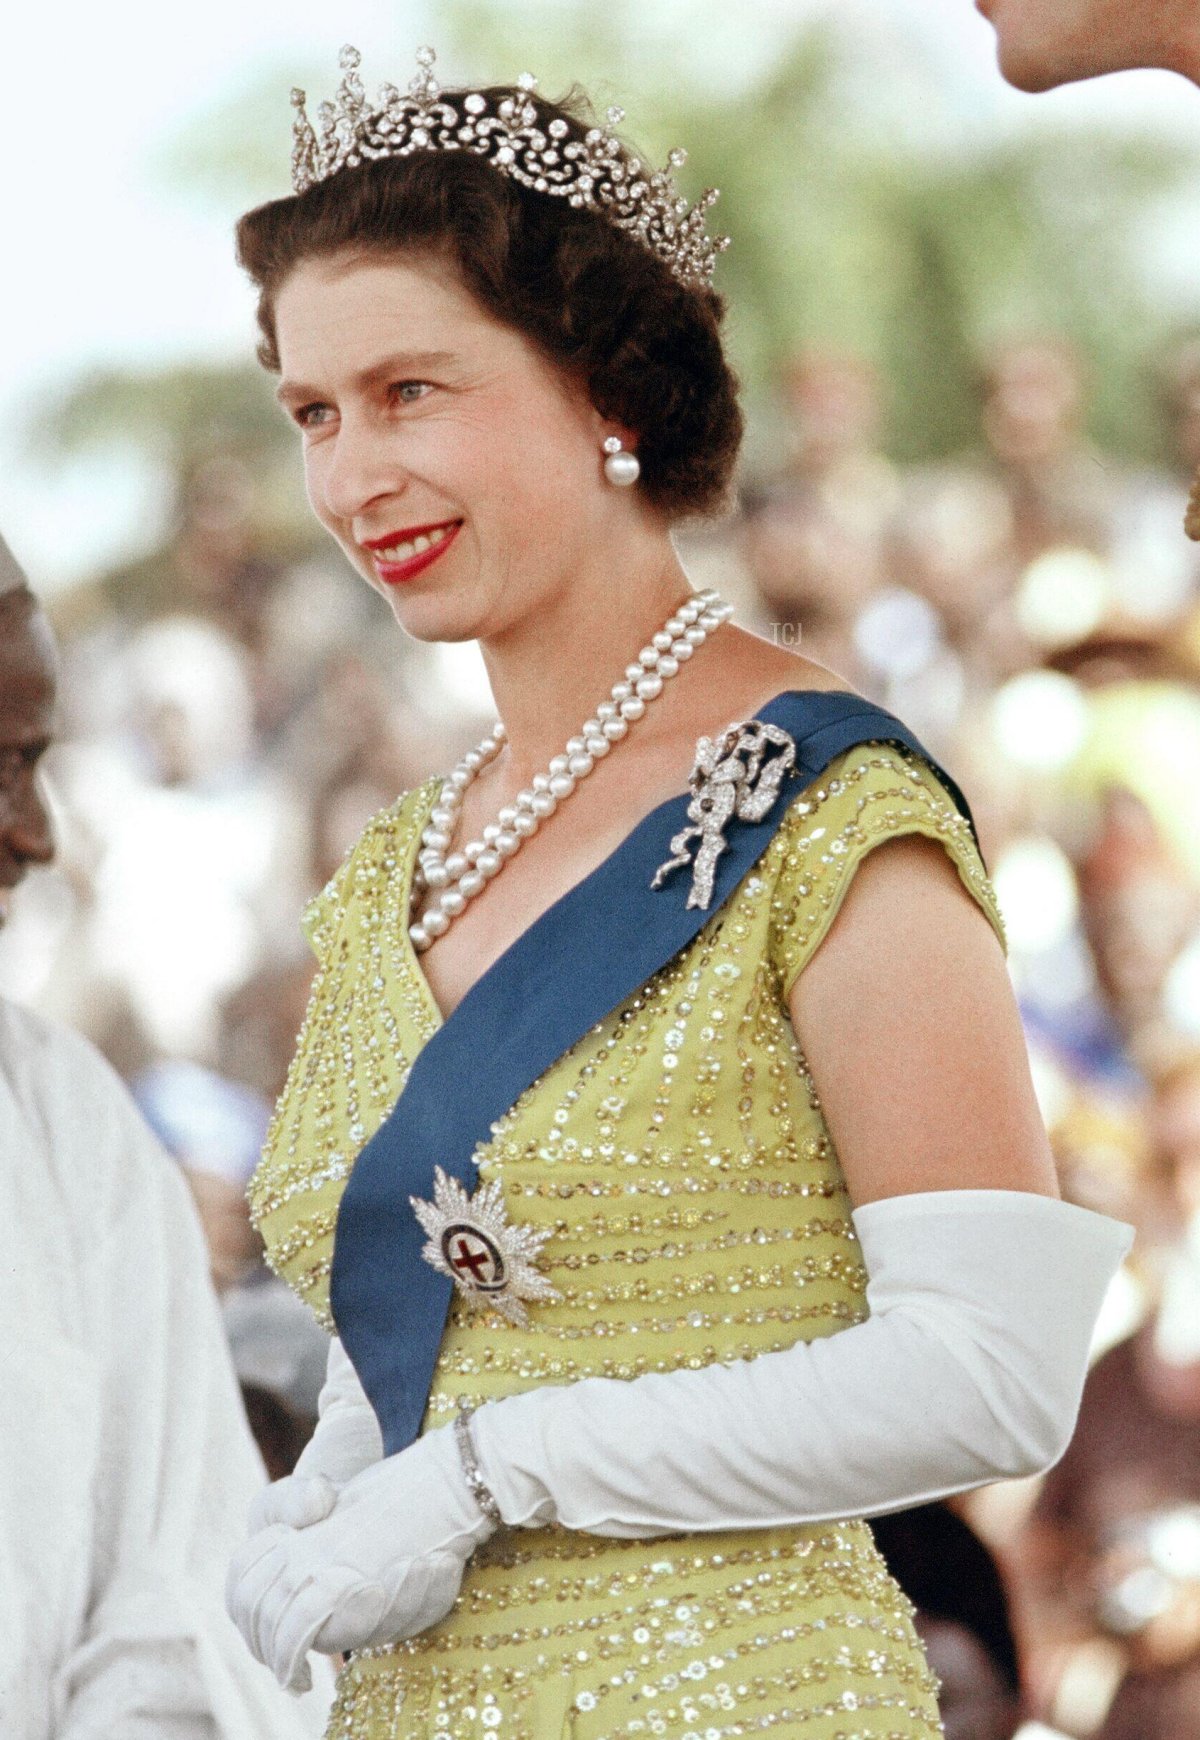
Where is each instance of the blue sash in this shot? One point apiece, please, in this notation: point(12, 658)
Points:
point(576, 963)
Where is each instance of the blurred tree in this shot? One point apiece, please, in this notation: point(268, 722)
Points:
point(176, 413)
point(849, 227)
point(228, 458)
point(235, 154)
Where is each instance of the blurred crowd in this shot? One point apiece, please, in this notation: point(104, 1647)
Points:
point(236, 707)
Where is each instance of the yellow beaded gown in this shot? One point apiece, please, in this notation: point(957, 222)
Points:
point(679, 1160)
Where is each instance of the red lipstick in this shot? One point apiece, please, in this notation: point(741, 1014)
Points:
point(394, 573)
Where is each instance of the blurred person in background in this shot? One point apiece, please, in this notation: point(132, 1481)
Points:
point(1141, 909)
point(1059, 488)
point(260, 1020)
point(962, 1615)
point(354, 749)
point(1179, 383)
point(216, 563)
point(214, 1126)
point(1043, 43)
point(1145, 574)
point(935, 636)
point(1112, 1552)
point(1132, 806)
point(811, 536)
point(512, 476)
point(183, 815)
point(1101, 890)
point(966, 538)
point(128, 1465)
point(1179, 386)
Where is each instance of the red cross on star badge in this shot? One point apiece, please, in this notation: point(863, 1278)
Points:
point(471, 1239)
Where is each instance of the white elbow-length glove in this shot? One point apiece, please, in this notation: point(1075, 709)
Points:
point(969, 1369)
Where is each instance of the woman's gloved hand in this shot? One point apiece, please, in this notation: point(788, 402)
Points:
point(377, 1560)
point(347, 1439)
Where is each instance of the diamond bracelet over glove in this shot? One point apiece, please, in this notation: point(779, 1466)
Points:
point(480, 1490)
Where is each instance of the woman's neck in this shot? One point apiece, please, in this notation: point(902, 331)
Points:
point(549, 669)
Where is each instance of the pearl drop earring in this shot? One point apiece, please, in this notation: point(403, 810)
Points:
point(621, 469)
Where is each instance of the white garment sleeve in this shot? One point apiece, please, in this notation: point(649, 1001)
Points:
point(969, 1369)
point(158, 1658)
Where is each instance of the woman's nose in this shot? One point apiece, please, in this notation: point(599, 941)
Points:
point(359, 470)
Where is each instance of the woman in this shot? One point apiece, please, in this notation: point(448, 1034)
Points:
point(598, 1099)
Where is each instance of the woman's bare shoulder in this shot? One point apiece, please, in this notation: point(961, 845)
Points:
point(748, 671)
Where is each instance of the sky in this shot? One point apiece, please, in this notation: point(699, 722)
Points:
point(109, 263)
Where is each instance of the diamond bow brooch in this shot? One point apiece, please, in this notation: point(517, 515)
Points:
point(735, 776)
point(471, 1239)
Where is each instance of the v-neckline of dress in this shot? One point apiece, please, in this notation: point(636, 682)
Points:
point(407, 870)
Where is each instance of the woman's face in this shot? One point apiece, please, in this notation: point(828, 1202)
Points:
point(1043, 43)
point(458, 469)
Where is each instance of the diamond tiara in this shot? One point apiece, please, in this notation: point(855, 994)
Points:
point(594, 171)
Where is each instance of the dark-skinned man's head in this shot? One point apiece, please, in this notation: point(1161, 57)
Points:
point(28, 681)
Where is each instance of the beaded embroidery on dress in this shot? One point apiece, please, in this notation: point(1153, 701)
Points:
point(677, 1161)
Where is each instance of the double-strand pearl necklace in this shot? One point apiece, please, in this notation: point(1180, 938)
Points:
point(459, 876)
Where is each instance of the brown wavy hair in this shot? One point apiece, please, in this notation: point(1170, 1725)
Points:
point(603, 308)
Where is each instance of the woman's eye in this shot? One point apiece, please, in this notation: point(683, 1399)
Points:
point(305, 416)
point(408, 392)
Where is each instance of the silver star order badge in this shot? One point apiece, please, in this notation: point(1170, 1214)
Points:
point(471, 1239)
point(732, 778)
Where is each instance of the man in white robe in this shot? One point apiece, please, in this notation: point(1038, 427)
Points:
point(126, 1464)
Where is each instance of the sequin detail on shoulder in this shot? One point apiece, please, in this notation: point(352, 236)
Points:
point(871, 793)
